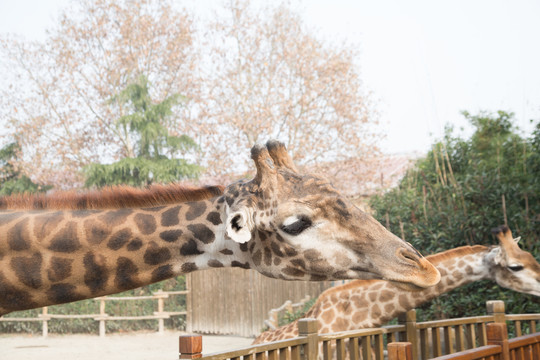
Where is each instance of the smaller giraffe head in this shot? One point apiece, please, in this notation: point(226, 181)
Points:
point(514, 268)
point(298, 227)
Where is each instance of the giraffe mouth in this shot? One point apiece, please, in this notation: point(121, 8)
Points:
point(366, 273)
point(407, 286)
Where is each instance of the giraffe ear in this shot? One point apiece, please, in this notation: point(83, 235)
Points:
point(240, 225)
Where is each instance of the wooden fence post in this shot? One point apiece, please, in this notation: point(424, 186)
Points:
point(400, 351)
point(409, 320)
point(496, 308)
point(101, 318)
point(189, 309)
point(160, 295)
point(309, 327)
point(497, 334)
point(45, 326)
point(190, 346)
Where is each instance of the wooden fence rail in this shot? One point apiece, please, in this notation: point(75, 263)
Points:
point(160, 315)
point(406, 341)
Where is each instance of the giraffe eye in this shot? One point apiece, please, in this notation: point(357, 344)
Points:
point(300, 224)
point(516, 267)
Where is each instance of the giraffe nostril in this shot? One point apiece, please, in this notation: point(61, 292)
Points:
point(409, 256)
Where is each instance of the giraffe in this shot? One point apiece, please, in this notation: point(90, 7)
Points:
point(281, 223)
point(371, 303)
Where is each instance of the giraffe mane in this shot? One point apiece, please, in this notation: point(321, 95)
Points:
point(454, 253)
point(112, 197)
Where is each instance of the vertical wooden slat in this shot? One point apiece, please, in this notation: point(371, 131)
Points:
point(260, 355)
point(517, 326)
point(284, 354)
point(354, 353)
point(340, 349)
point(327, 350)
point(448, 340)
point(378, 346)
point(424, 344)
point(460, 338)
point(471, 336)
point(436, 338)
point(532, 325)
point(295, 352)
point(482, 334)
point(366, 347)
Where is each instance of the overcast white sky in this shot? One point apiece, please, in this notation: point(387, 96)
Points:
point(424, 60)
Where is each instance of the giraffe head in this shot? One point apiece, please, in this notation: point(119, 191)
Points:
point(298, 227)
point(514, 268)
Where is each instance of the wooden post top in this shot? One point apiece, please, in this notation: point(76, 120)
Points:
point(495, 306)
point(307, 326)
point(400, 351)
point(190, 346)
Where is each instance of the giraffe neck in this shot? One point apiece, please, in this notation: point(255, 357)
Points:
point(371, 303)
point(53, 257)
point(380, 301)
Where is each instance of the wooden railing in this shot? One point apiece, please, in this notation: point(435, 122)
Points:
point(160, 315)
point(499, 347)
point(408, 340)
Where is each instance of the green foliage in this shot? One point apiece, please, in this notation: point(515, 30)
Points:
point(289, 317)
point(460, 191)
point(113, 308)
point(11, 180)
point(152, 151)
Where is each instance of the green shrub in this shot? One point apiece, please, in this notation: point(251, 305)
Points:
point(460, 191)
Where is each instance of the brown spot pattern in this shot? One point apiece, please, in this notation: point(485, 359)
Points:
point(18, 236)
point(145, 223)
point(28, 270)
point(59, 269)
point(66, 241)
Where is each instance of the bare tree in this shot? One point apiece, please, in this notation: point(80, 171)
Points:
point(268, 75)
point(57, 104)
point(252, 74)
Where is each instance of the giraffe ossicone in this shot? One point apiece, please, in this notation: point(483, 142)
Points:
point(364, 304)
point(281, 223)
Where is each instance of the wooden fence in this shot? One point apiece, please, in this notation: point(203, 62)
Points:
point(499, 347)
point(236, 301)
point(160, 315)
point(420, 340)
